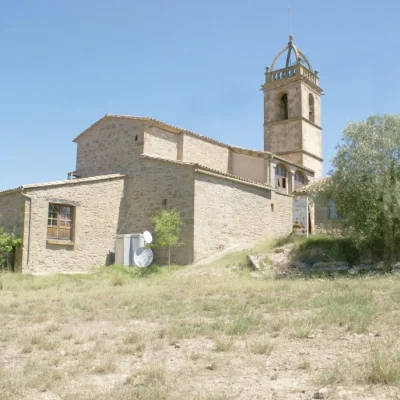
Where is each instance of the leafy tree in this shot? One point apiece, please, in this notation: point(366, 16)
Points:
point(7, 242)
point(167, 226)
point(365, 183)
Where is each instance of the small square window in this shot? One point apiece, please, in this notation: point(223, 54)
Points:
point(272, 207)
point(164, 202)
point(60, 222)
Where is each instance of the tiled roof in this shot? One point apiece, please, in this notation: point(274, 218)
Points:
point(206, 138)
point(64, 182)
point(271, 155)
point(317, 184)
point(174, 128)
point(205, 168)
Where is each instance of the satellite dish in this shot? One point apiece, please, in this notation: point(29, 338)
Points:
point(148, 238)
point(143, 257)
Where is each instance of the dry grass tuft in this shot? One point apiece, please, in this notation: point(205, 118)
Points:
point(224, 344)
point(263, 347)
point(107, 365)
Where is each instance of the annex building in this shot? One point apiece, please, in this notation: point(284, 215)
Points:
point(129, 167)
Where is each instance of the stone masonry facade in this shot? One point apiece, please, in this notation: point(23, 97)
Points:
point(228, 213)
point(129, 168)
point(96, 207)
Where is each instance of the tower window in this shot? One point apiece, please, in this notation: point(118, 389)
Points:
point(311, 115)
point(284, 107)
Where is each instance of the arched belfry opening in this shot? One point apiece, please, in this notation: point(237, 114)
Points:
point(284, 112)
point(311, 114)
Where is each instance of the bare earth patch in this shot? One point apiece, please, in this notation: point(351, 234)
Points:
point(210, 332)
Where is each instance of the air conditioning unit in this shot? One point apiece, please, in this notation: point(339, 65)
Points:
point(125, 247)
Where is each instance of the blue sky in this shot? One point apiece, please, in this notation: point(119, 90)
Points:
point(195, 64)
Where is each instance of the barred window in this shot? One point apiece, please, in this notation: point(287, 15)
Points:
point(60, 222)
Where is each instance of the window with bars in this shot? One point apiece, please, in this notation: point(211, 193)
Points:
point(60, 222)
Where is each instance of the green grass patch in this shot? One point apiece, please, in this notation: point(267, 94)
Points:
point(324, 248)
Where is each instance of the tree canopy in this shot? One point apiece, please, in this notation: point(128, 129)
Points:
point(7, 242)
point(167, 226)
point(365, 183)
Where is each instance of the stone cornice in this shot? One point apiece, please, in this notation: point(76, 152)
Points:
point(301, 151)
point(285, 121)
point(267, 87)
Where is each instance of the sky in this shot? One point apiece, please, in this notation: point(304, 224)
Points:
point(198, 65)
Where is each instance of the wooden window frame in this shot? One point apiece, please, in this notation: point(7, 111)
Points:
point(59, 228)
point(281, 178)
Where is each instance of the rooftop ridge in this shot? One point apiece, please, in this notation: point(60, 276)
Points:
point(178, 130)
point(63, 182)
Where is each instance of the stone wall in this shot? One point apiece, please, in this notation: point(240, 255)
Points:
point(272, 100)
point(12, 213)
point(322, 223)
point(249, 167)
point(113, 146)
point(201, 151)
point(227, 213)
point(313, 163)
point(161, 143)
point(281, 218)
point(297, 132)
point(306, 90)
point(97, 212)
point(158, 185)
point(283, 136)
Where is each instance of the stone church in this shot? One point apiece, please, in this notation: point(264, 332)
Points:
point(129, 167)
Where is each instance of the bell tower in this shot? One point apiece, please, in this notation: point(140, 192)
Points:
point(292, 110)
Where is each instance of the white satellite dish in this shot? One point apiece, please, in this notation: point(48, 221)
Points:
point(148, 237)
point(143, 257)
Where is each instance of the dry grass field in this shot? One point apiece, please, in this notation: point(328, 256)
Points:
point(208, 332)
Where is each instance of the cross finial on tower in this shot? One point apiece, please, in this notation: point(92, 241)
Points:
point(290, 22)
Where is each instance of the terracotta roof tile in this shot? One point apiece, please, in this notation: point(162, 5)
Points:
point(63, 182)
point(316, 184)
